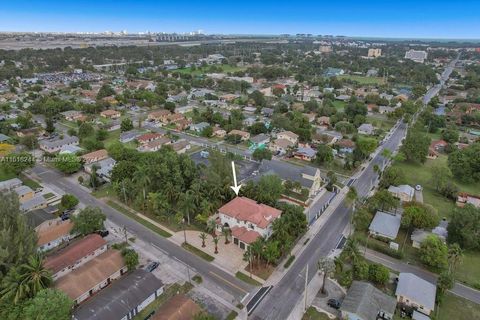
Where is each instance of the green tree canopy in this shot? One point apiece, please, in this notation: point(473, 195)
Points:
point(88, 221)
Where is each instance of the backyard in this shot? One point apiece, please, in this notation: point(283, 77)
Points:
point(362, 79)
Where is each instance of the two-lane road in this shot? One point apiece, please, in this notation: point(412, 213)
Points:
point(229, 283)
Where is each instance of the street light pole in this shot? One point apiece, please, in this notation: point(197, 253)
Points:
point(306, 287)
point(184, 231)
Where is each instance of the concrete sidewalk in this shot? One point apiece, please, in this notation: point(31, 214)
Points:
point(297, 250)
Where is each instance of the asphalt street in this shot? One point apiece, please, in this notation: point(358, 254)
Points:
point(229, 283)
point(281, 300)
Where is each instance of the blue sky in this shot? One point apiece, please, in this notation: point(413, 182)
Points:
point(407, 18)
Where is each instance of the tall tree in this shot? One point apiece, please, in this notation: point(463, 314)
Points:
point(88, 221)
point(327, 267)
point(35, 275)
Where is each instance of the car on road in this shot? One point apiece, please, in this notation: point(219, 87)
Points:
point(334, 303)
point(152, 266)
point(103, 233)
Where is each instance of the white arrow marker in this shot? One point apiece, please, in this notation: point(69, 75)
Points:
point(235, 188)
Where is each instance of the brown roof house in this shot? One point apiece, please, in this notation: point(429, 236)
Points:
point(95, 156)
point(110, 114)
point(54, 234)
point(75, 255)
point(91, 277)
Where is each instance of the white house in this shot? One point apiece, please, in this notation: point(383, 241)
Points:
point(416, 292)
point(247, 219)
point(52, 235)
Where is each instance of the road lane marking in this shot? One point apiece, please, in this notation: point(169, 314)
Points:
point(226, 281)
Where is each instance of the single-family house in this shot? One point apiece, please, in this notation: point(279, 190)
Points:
point(219, 132)
point(4, 138)
point(281, 145)
point(154, 145)
point(418, 235)
point(75, 255)
point(37, 202)
point(94, 156)
point(110, 114)
point(385, 225)
point(267, 112)
point(24, 193)
point(148, 137)
point(305, 153)
point(72, 115)
point(308, 176)
point(366, 129)
point(415, 292)
point(323, 121)
point(345, 146)
point(243, 134)
point(288, 135)
point(70, 149)
point(92, 276)
point(55, 145)
point(259, 141)
point(181, 146)
point(10, 184)
point(53, 234)
point(464, 198)
point(365, 302)
point(199, 127)
point(104, 168)
point(159, 116)
point(123, 299)
point(41, 218)
point(403, 192)
point(247, 219)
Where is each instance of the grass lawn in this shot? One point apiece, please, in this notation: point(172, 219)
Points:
point(380, 121)
point(48, 195)
point(29, 182)
point(104, 191)
point(469, 270)
point(340, 105)
point(362, 79)
point(454, 307)
point(144, 222)
point(245, 278)
point(313, 314)
point(198, 252)
point(113, 137)
point(169, 292)
point(232, 315)
point(421, 174)
point(6, 175)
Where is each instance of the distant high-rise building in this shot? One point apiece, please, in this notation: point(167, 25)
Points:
point(416, 55)
point(374, 52)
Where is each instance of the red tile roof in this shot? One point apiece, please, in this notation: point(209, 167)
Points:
point(245, 235)
point(246, 209)
point(149, 136)
point(74, 252)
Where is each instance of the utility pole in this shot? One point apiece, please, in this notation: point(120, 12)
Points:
point(125, 234)
point(306, 286)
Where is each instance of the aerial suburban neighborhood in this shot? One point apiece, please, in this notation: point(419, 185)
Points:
point(194, 176)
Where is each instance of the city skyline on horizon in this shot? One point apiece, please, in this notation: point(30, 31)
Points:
point(375, 19)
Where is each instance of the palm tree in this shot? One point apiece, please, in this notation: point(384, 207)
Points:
point(142, 177)
point(186, 204)
point(13, 289)
point(203, 236)
point(257, 248)
point(351, 250)
point(226, 234)
point(352, 195)
point(211, 225)
point(455, 255)
point(248, 256)
point(326, 266)
point(215, 241)
point(35, 275)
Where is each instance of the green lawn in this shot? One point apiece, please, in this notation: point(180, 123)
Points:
point(421, 174)
point(469, 270)
point(6, 175)
point(362, 79)
point(313, 314)
point(198, 252)
point(113, 137)
point(340, 105)
point(454, 307)
point(242, 276)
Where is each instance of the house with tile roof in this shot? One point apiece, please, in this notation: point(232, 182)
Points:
point(94, 156)
point(247, 219)
point(288, 135)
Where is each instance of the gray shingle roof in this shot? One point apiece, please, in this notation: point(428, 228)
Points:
point(366, 301)
point(37, 217)
point(385, 224)
point(122, 296)
point(287, 171)
point(416, 289)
